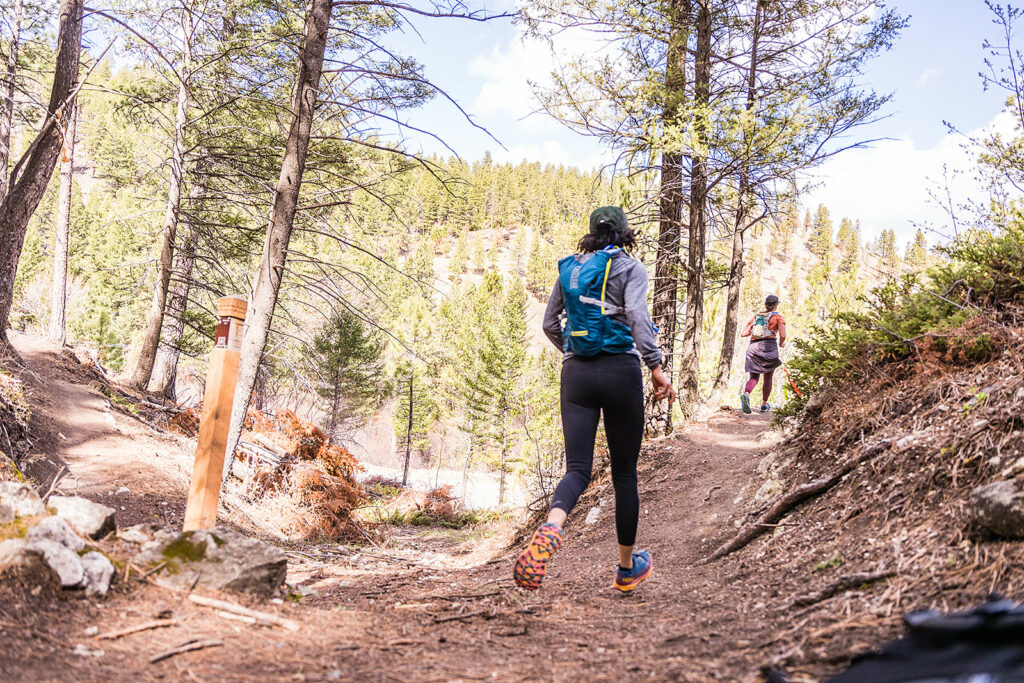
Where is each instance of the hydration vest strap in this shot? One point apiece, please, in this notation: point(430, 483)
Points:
point(605, 306)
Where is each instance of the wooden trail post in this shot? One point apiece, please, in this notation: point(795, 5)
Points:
point(204, 493)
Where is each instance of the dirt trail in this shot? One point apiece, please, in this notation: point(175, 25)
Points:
point(425, 608)
point(111, 456)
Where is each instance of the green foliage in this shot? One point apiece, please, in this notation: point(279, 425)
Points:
point(916, 314)
point(345, 362)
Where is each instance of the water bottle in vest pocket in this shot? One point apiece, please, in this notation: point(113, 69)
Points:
point(760, 329)
point(589, 329)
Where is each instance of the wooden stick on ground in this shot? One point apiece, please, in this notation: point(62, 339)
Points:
point(184, 647)
point(456, 617)
point(843, 583)
point(783, 505)
point(260, 617)
point(149, 625)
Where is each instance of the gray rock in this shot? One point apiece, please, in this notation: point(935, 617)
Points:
point(221, 559)
point(86, 517)
point(998, 508)
point(6, 513)
point(99, 572)
point(56, 529)
point(21, 499)
point(24, 567)
point(61, 559)
point(140, 533)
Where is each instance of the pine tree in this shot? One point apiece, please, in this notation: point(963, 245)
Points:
point(820, 239)
point(345, 366)
point(888, 256)
point(460, 256)
point(479, 255)
point(503, 359)
point(539, 273)
point(848, 241)
point(917, 253)
point(414, 379)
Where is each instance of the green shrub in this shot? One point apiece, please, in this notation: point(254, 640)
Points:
point(936, 314)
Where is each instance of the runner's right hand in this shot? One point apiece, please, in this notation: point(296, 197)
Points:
point(662, 387)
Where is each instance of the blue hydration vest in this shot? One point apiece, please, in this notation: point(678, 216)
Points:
point(588, 329)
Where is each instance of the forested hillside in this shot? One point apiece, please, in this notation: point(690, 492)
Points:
point(389, 410)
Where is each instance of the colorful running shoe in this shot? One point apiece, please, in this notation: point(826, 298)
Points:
point(531, 566)
point(745, 402)
point(765, 407)
point(628, 579)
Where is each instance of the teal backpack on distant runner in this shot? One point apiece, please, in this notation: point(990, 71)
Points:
point(761, 329)
point(588, 329)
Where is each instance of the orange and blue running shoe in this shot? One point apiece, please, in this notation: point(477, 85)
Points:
point(628, 579)
point(531, 566)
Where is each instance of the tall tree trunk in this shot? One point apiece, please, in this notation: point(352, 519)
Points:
point(7, 105)
point(33, 172)
point(504, 457)
point(689, 366)
point(165, 263)
point(165, 375)
point(282, 217)
point(408, 437)
point(335, 402)
point(58, 295)
point(670, 209)
point(743, 203)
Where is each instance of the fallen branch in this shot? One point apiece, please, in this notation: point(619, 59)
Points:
point(184, 647)
point(787, 502)
point(149, 625)
point(843, 583)
point(63, 472)
point(458, 617)
point(260, 617)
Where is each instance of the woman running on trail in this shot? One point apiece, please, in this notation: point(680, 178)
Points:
point(767, 332)
point(602, 291)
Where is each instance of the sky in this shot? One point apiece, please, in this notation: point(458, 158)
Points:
point(932, 72)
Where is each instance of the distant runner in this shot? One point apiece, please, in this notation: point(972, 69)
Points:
point(602, 291)
point(767, 332)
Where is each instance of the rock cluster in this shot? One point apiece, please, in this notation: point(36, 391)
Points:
point(998, 508)
point(48, 550)
point(221, 559)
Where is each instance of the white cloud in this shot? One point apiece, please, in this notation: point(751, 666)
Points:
point(887, 185)
point(928, 76)
point(507, 71)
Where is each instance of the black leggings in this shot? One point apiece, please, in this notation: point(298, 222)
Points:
point(613, 385)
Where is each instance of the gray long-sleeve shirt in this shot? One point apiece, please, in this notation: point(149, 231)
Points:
point(626, 289)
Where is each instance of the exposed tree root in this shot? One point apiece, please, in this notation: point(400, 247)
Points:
point(795, 497)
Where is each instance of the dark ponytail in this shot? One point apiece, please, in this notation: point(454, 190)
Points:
point(612, 238)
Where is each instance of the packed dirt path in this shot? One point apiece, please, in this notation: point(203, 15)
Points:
point(109, 455)
point(428, 606)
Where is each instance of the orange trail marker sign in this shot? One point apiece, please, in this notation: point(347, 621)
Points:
point(204, 492)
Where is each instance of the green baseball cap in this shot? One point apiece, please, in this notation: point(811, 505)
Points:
point(607, 219)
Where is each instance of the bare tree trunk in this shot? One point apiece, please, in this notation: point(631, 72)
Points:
point(165, 263)
point(58, 295)
point(504, 457)
point(689, 366)
point(32, 173)
point(165, 374)
point(7, 106)
point(335, 401)
point(732, 305)
point(408, 437)
point(282, 218)
point(670, 208)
